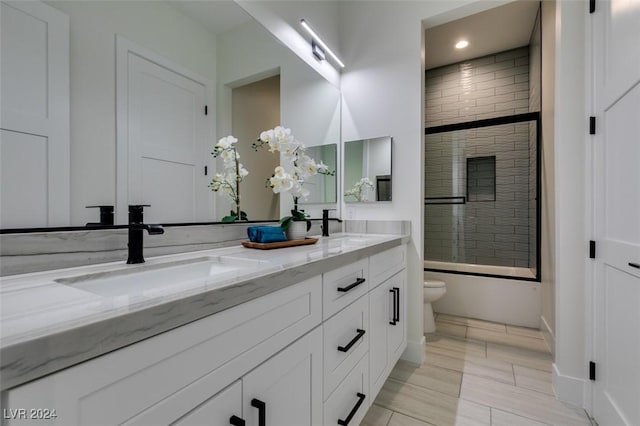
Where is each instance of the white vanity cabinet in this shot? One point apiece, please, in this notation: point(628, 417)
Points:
point(190, 371)
point(314, 353)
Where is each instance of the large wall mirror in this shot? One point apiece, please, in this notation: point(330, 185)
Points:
point(367, 170)
point(152, 86)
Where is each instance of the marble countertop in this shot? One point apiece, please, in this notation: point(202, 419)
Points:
point(55, 319)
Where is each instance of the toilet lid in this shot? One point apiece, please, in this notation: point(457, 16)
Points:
point(434, 284)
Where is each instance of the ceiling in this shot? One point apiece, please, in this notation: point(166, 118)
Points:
point(494, 30)
point(216, 16)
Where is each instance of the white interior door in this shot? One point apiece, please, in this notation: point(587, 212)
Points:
point(163, 138)
point(34, 119)
point(617, 212)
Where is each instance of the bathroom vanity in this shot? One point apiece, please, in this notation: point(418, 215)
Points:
point(300, 336)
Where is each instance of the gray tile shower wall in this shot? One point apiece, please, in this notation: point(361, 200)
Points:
point(487, 87)
point(486, 232)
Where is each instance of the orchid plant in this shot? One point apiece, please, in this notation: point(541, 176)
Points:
point(295, 167)
point(228, 182)
point(360, 189)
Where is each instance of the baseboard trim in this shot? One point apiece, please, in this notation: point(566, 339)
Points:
point(567, 388)
point(414, 352)
point(547, 334)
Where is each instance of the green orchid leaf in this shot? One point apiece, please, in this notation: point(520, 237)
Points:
point(243, 215)
point(285, 222)
point(230, 218)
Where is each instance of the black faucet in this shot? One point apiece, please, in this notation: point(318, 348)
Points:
point(136, 226)
point(325, 222)
point(106, 216)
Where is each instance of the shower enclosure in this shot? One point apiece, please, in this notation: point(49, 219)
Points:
point(482, 167)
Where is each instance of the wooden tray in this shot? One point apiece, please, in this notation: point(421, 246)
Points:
point(279, 244)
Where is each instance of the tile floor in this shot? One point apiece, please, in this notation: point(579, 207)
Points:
point(475, 373)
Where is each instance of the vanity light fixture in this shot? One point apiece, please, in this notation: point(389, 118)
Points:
point(318, 52)
point(462, 44)
point(322, 44)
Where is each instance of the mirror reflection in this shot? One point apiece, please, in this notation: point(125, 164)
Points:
point(367, 170)
point(323, 187)
point(153, 86)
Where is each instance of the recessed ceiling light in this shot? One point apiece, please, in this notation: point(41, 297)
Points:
point(462, 44)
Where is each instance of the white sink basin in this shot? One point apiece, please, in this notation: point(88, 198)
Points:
point(358, 239)
point(152, 280)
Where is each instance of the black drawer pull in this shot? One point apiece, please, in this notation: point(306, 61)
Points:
point(262, 411)
point(236, 421)
point(352, 342)
point(395, 307)
point(350, 286)
point(353, 412)
point(634, 265)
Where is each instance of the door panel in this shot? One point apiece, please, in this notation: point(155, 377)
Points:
point(164, 138)
point(23, 165)
point(616, 211)
point(621, 320)
point(34, 115)
point(622, 174)
point(169, 188)
point(621, 53)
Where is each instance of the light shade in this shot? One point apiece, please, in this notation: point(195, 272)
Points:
point(322, 44)
point(462, 44)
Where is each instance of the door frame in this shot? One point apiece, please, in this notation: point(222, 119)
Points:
point(123, 48)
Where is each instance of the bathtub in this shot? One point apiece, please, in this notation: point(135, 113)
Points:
point(505, 271)
point(516, 301)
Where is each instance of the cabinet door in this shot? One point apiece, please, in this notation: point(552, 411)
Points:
point(287, 386)
point(396, 338)
point(380, 300)
point(215, 411)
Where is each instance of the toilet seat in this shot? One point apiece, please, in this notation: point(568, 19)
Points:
point(434, 284)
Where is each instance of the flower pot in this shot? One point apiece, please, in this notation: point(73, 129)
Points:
point(297, 230)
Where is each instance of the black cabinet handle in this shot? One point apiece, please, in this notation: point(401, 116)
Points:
point(395, 307)
point(352, 342)
point(262, 411)
point(236, 421)
point(350, 286)
point(634, 265)
point(353, 412)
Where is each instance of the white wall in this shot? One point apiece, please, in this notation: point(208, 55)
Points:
point(309, 105)
point(382, 88)
point(282, 19)
point(547, 235)
point(154, 25)
point(571, 241)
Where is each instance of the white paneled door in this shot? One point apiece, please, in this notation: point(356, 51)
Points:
point(617, 212)
point(164, 138)
point(34, 123)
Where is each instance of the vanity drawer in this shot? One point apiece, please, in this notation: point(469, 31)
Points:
point(343, 285)
point(351, 400)
point(346, 340)
point(384, 265)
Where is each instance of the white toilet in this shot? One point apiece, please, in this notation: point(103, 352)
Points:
point(433, 290)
